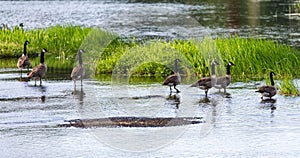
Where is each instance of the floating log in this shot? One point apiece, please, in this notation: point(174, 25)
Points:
point(113, 122)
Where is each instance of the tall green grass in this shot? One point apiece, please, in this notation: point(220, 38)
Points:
point(253, 57)
point(61, 41)
point(289, 88)
point(109, 54)
point(256, 57)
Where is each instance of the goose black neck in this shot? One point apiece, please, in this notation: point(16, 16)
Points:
point(228, 70)
point(25, 51)
point(213, 69)
point(80, 58)
point(176, 64)
point(42, 59)
point(271, 79)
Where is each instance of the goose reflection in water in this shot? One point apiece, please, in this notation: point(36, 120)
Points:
point(268, 101)
point(269, 104)
point(204, 100)
point(210, 118)
point(174, 99)
point(79, 94)
point(43, 98)
point(42, 90)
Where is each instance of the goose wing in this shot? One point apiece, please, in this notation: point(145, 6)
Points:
point(21, 61)
point(172, 79)
point(77, 72)
point(222, 81)
point(266, 89)
point(38, 71)
point(206, 81)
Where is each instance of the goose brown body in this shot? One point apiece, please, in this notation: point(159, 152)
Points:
point(224, 81)
point(78, 71)
point(174, 79)
point(268, 91)
point(23, 61)
point(39, 70)
point(207, 83)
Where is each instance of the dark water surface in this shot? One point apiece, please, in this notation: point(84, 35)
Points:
point(274, 19)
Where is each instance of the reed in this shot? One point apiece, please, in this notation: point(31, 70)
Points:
point(289, 88)
point(253, 57)
point(61, 41)
point(256, 57)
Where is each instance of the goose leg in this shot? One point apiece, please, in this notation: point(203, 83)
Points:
point(224, 90)
point(81, 79)
point(74, 84)
point(206, 93)
point(170, 89)
point(40, 81)
point(34, 82)
point(178, 91)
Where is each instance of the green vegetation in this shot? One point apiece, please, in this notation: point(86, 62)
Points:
point(253, 57)
point(289, 88)
point(109, 54)
point(256, 57)
point(61, 41)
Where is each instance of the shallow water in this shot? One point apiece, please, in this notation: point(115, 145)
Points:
point(278, 20)
point(237, 124)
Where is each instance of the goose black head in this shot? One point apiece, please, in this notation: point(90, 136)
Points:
point(44, 50)
point(272, 73)
point(230, 64)
point(177, 60)
point(215, 63)
point(26, 42)
point(81, 51)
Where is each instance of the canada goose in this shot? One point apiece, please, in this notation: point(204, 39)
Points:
point(207, 82)
point(268, 91)
point(173, 79)
point(78, 71)
point(24, 61)
point(224, 81)
point(40, 70)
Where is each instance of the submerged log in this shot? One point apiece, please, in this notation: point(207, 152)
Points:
point(132, 122)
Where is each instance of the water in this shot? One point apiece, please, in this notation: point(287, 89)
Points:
point(237, 124)
point(278, 20)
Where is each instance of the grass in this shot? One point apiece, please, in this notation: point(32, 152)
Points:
point(256, 57)
point(51, 62)
point(289, 88)
point(108, 53)
point(61, 41)
point(253, 58)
